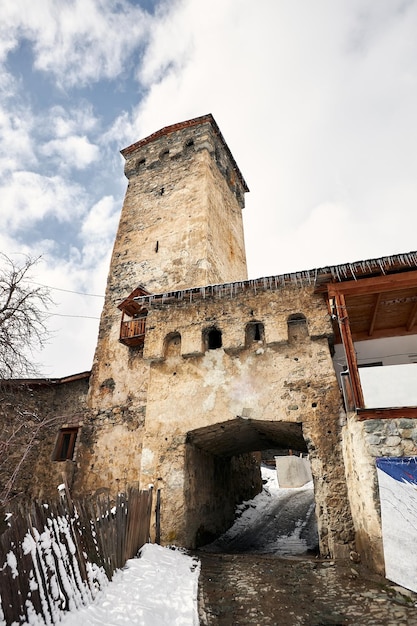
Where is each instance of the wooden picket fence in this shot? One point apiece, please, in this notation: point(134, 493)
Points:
point(55, 557)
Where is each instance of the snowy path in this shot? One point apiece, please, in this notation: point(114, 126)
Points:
point(277, 521)
point(158, 589)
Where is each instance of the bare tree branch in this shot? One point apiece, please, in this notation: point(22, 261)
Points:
point(23, 314)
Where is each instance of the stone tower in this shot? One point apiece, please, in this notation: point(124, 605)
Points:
point(180, 226)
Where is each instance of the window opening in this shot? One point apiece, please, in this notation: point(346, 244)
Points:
point(65, 444)
point(254, 332)
point(214, 339)
point(297, 327)
point(172, 344)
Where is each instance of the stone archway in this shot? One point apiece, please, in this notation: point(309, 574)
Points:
point(222, 469)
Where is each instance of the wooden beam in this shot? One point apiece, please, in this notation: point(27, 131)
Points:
point(412, 317)
point(384, 414)
point(376, 284)
point(374, 314)
point(344, 326)
point(383, 333)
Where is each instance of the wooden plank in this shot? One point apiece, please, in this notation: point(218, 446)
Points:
point(374, 314)
point(382, 333)
point(383, 414)
point(377, 284)
point(412, 318)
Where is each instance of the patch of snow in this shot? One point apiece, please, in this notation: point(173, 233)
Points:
point(158, 589)
point(12, 563)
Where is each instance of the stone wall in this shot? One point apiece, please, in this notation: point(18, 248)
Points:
point(285, 377)
point(363, 442)
point(109, 453)
point(31, 415)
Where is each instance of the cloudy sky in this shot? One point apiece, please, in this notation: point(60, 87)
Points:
point(316, 99)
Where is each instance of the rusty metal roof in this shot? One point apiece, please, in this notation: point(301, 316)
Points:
point(29, 382)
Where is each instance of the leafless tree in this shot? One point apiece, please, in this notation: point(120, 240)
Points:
point(23, 314)
point(23, 424)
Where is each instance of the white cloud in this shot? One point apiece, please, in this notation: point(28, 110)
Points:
point(28, 197)
point(76, 152)
point(72, 120)
point(101, 221)
point(76, 41)
point(317, 103)
point(16, 144)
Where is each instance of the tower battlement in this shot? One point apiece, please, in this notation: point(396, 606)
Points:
point(179, 141)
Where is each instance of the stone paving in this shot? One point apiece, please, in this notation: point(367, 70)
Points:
point(266, 590)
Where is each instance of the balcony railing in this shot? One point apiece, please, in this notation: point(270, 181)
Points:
point(132, 332)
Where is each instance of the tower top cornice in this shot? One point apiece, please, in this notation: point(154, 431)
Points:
point(197, 121)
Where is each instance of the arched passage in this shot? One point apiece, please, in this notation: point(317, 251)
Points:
point(222, 468)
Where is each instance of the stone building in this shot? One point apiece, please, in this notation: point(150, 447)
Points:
point(197, 368)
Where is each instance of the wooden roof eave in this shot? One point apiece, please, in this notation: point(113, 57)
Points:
point(130, 305)
point(374, 285)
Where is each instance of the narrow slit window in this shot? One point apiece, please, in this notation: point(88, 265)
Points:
point(65, 444)
point(254, 333)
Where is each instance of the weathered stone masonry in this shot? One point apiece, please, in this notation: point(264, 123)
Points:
point(286, 379)
point(223, 367)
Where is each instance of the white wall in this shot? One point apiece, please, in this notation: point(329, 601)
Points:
point(394, 384)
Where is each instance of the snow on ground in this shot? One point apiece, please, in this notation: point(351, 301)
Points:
point(277, 521)
point(160, 588)
point(157, 589)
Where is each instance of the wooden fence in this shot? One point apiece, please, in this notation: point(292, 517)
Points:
point(55, 557)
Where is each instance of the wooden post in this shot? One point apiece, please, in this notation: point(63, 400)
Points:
point(158, 517)
point(343, 319)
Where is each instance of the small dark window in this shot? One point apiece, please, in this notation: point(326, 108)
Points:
point(164, 155)
point(214, 339)
point(140, 164)
point(189, 144)
point(65, 444)
point(254, 332)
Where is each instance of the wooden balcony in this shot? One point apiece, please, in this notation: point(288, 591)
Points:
point(132, 332)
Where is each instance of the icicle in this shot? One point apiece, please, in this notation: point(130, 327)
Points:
point(353, 271)
point(381, 266)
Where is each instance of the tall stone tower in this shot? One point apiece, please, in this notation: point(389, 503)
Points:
point(180, 226)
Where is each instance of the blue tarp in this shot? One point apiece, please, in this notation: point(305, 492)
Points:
point(403, 469)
